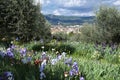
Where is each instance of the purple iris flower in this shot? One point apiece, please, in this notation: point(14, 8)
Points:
point(59, 57)
point(71, 72)
point(23, 52)
point(44, 55)
point(43, 64)
point(17, 39)
point(9, 53)
point(12, 47)
point(2, 54)
point(54, 61)
point(74, 71)
point(75, 66)
point(69, 61)
point(82, 78)
point(29, 59)
point(8, 76)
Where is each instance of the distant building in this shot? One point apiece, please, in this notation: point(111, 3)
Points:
point(68, 29)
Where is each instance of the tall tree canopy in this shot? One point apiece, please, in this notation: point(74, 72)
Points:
point(22, 19)
point(108, 20)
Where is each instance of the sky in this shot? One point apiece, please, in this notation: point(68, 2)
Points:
point(74, 7)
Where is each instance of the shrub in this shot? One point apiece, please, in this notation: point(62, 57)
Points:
point(108, 22)
point(65, 48)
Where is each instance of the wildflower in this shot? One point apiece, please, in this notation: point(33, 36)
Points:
point(43, 64)
point(17, 39)
point(42, 47)
point(71, 72)
point(43, 55)
point(68, 61)
point(54, 61)
point(74, 71)
point(23, 52)
point(9, 53)
point(4, 39)
point(66, 74)
point(36, 62)
point(75, 68)
point(8, 76)
point(53, 49)
point(57, 52)
point(59, 57)
point(82, 78)
point(42, 75)
point(29, 53)
point(12, 47)
point(2, 54)
point(63, 54)
point(29, 59)
point(11, 42)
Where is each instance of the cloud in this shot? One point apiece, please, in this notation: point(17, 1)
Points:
point(117, 3)
point(67, 12)
point(74, 7)
point(61, 11)
point(83, 14)
point(56, 12)
point(72, 3)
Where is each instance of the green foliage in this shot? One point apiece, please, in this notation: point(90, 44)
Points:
point(60, 47)
point(108, 20)
point(105, 29)
point(99, 70)
point(20, 71)
point(65, 48)
point(74, 37)
point(91, 69)
point(90, 63)
point(60, 36)
point(22, 19)
point(90, 33)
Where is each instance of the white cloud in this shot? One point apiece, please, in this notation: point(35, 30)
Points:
point(56, 12)
point(61, 11)
point(83, 14)
point(74, 7)
point(66, 12)
point(72, 3)
point(117, 3)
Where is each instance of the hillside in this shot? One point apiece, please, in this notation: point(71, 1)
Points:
point(69, 20)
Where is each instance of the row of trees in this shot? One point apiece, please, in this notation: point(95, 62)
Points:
point(22, 19)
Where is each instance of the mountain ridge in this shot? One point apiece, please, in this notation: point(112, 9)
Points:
point(69, 20)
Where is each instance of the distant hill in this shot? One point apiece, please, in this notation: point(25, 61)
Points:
point(69, 20)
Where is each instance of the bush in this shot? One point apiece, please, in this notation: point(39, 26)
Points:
point(105, 29)
point(60, 47)
point(65, 48)
point(108, 22)
point(89, 33)
point(60, 36)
